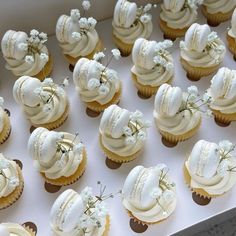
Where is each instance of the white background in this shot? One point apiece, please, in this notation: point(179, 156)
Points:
point(35, 203)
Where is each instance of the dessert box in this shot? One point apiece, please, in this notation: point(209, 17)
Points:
point(36, 201)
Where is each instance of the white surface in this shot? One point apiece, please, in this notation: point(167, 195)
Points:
point(35, 203)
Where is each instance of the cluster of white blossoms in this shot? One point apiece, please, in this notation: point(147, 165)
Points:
point(5, 164)
point(143, 15)
point(48, 90)
point(34, 46)
point(193, 3)
point(107, 76)
point(136, 128)
point(161, 59)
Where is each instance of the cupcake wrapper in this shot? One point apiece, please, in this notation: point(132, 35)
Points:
point(4, 135)
point(57, 123)
point(231, 44)
point(195, 73)
point(217, 18)
point(171, 33)
point(64, 181)
point(224, 118)
point(28, 229)
point(107, 226)
point(116, 158)
point(99, 47)
point(179, 138)
point(95, 106)
point(124, 48)
point(146, 90)
point(15, 195)
point(46, 71)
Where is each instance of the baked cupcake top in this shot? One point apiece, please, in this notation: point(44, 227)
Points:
point(25, 55)
point(201, 47)
point(77, 35)
point(13, 229)
point(219, 6)
point(9, 176)
point(123, 132)
point(222, 91)
point(131, 22)
point(212, 167)
point(232, 30)
point(3, 115)
point(43, 102)
point(153, 64)
point(179, 14)
point(94, 81)
point(149, 194)
point(55, 154)
point(74, 214)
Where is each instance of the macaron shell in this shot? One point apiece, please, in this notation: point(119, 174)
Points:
point(136, 48)
point(131, 16)
point(16, 88)
point(117, 10)
point(159, 97)
point(4, 231)
point(77, 68)
point(175, 100)
point(231, 93)
point(19, 53)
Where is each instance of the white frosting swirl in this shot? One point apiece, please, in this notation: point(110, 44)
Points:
point(126, 23)
point(112, 125)
point(222, 91)
point(232, 31)
point(15, 55)
point(148, 195)
point(12, 229)
point(86, 70)
point(54, 153)
point(169, 113)
point(35, 104)
point(2, 118)
point(223, 6)
point(204, 166)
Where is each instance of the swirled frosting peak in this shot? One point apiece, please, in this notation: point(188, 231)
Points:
point(56, 154)
point(12, 229)
point(42, 102)
point(219, 6)
point(232, 31)
point(25, 55)
point(123, 132)
point(149, 193)
point(131, 22)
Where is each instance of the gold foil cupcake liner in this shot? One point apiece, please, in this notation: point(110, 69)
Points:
point(7, 201)
point(99, 47)
point(124, 48)
point(46, 71)
point(4, 135)
point(107, 226)
point(231, 45)
point(116, 158)
point(29, 230)
point(64, 181)
point(224, 118)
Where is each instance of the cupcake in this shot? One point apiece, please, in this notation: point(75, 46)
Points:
point(201, 52)
point(149, 194)
point(153, 65)
point(45, 104)
point(60, 157)
point(222, 94)
point(130, 23)
point(177, 16)
point(231, 35)
point(122, 133)
point(79, 214)
point(5, 126)
point(177, 114)
point(26, 55)
point(217, 11)
point(11, 182)
point(210, 169)
point(97, 85)
point(13, 229)
point(77, 36)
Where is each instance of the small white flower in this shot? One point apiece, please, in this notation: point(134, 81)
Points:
point(169, 66)
point(103, 89)
point(168, 195)
point(156, 193)
point(47, 108)
point(78, 148)
point(206, 98)
point(220, 49)
point(142, 135)
point(127, 131)
point(86, 194)
point(44, 57)
point(43, 36)
point(38, 91)
point(23, 46)
point(47, 81)
point(93, 84)
point(98, 56)
point(135, 116)
point(34, 33)
point(92, 22)
point(111, 75)
point(147, 7)
point(116, 53)
point(167, 44)
point(159, 60)
point(66, 82)
point(76, 35)
point(1, 101)
point(226, 145)
point(4, 163)
point(155, 5)
point(145, 18)
point(75, 14)
point(60, 91)
point(29, 59)
point(223, 168)
point(14, 181)
point(182, 44)
point(86, 5)
point(130, 140)
point(212, 37)
point(209, 113)
point(193, 90)
point(192, 97)
point(83, 22)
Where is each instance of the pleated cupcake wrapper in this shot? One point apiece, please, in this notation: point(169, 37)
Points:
point(64, 181)
point(224, 118)
point(116, 158)
point(31, 231)
point(195, 73)
point(231, 44)
point(16, 194)
point(124, 48)
point(95, 106)
point(146, 90)
point(171, 33)
point(99, 47)
point(107, 226)
point(217, 18)
point(46, 71)
point(179, 138)
point(4, 135)
point(57, 123)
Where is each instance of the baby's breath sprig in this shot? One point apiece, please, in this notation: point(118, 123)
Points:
point(193, 3)
point(143, 15)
